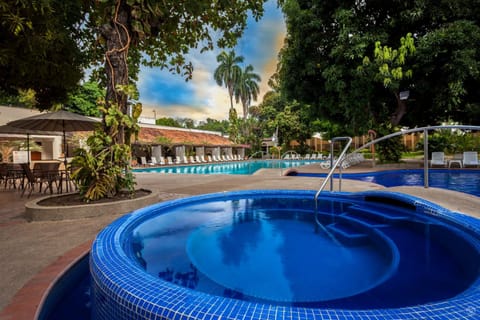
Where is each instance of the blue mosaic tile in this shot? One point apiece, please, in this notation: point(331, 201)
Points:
point(123, 291)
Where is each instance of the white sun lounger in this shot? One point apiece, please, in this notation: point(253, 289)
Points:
point(470, 158)
point(438, 159)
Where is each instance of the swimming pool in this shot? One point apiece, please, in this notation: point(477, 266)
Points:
point(240, 167)
point(467, 181)
point(261, 255)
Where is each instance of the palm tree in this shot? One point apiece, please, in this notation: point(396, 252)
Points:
point(246, 88)
point(228, 72)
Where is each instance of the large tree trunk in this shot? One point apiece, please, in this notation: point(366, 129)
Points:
point(400, 111)
point(117, 42)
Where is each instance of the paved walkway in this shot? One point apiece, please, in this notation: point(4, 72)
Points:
point(28, 249)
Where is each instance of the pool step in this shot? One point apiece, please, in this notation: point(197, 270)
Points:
point(347, 234)
point(375, 218)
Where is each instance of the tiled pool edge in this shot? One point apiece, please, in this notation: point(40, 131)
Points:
point(159, 300)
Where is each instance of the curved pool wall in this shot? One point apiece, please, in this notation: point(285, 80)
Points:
point(121, 289)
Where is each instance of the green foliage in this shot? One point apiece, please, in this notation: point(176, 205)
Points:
point(246, 88)
point(102, 170)
point(234, 128)
point(186, 123)
point(163, 141)
point(389, 150)
point(84, 99)
point(40, 48)
point(448, 71)
point(21, 98)
point(228, 72)
point(288, 124)
point(389, 63)
point(169, 122)
point(214, 125)
point(450, 141)
point(327, 42)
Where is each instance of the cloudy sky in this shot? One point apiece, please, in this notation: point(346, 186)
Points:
point(201, 98)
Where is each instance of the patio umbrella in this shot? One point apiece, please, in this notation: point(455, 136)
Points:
point(60, 121)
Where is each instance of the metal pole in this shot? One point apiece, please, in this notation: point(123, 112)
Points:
point(331, 162)
point(425, 158)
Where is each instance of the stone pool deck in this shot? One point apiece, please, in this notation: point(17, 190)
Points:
point(33, 253)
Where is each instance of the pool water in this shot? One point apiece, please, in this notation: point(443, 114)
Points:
point(467, 181)
point(241, 167)
point(271, 250)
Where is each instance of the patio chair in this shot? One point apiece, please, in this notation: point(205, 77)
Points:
point(169, 160)
point(470, 158)
point(12, 173)
point(143, 161)
point(438, 159)
point(3, 173)
point(209, 158)
point(31, 180)
point(162, 161)
point(47, 173)
point(153, 161)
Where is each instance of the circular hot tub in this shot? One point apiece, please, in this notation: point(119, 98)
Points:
point(270, 254)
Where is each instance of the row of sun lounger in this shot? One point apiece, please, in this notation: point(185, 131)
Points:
point(188, 160)
point(349, 160)
point(308, 156)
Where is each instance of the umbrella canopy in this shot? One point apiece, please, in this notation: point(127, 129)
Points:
point(6, 129)
point(56, 121)
point(62, 120)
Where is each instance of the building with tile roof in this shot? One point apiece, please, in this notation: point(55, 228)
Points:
point(162, 141)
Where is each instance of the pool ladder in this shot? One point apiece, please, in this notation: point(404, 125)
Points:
point(333, 166)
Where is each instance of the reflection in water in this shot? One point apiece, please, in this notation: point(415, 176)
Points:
point(187, 279)
point(232, 241)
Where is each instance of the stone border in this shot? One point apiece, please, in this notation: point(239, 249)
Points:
point(36, 212)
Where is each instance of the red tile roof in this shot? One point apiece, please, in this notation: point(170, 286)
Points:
point(161, 136)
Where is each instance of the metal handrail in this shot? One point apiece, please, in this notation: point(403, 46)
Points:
point(330, 173)
point(250, 157)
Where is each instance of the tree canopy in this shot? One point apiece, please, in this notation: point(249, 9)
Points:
point(228, 72)
point(246, 88)
point(84, 99)
point(327, 42)
point(40, 49)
